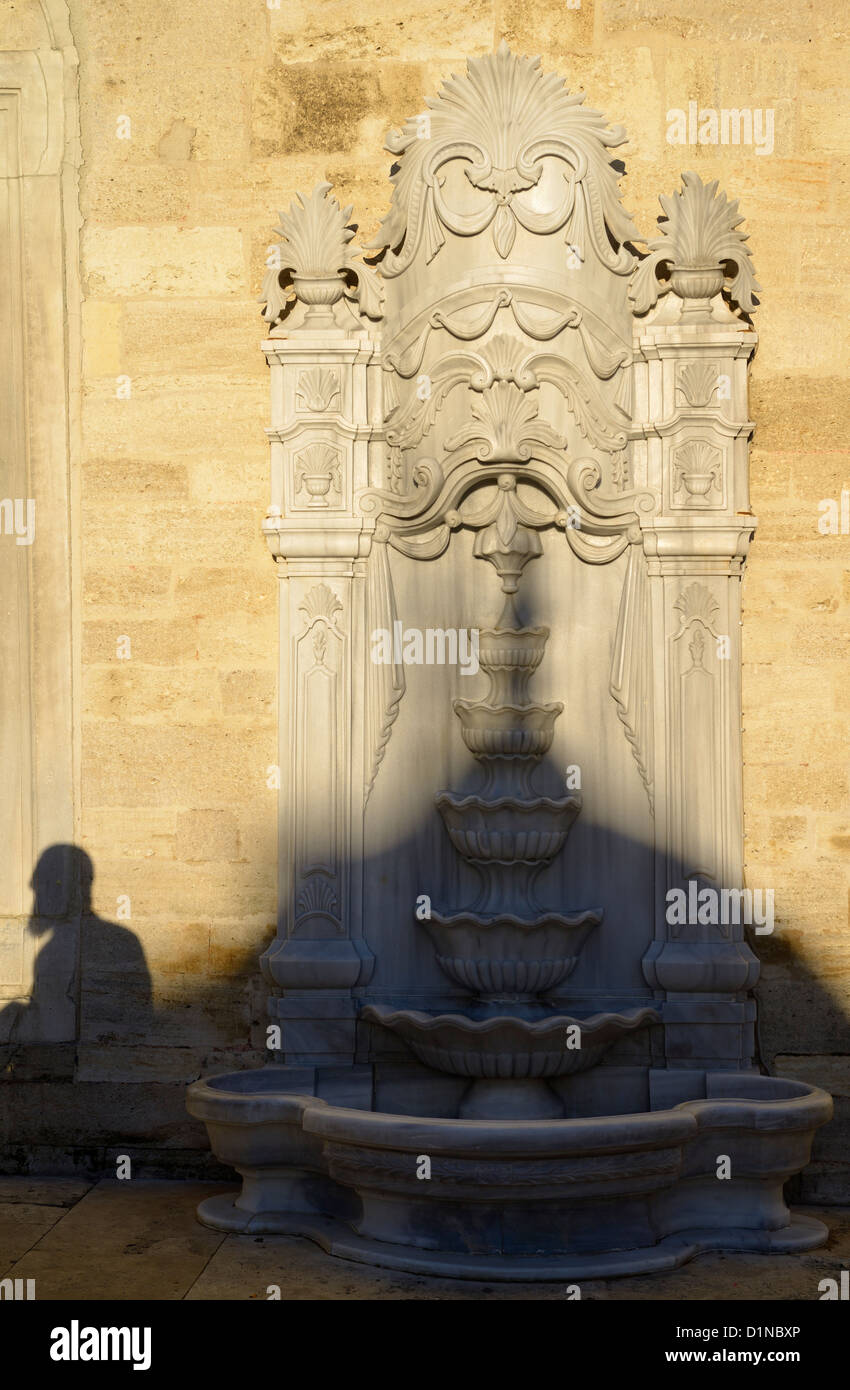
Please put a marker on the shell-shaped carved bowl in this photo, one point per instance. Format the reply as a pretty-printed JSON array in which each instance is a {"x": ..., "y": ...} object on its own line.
[
  {"x": 508, "y": 731},
  {"x": 507, "y": 955},
  {"x": 507, "y": 830},
  {"x": 512, "y": 649},
  {"x": 517, "y": 978},
  {"x": 508, "y": 1048}
]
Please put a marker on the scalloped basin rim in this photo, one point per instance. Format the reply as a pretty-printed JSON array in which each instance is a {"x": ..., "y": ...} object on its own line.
[
  {"x": 513, "y": 803},
  {"x": 494, "y": 711},
  {"x": 428, "y": 1023},
  {"x": 512, "y": 632},
  {"x": 592, "y": 915},
  {"x": 802, "y": 1107}
]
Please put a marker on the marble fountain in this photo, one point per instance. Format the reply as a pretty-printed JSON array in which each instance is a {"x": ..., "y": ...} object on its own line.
[{"x": 494, "y": 1052}]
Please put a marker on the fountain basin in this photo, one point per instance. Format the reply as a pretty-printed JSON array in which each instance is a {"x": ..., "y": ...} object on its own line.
[
  {"x": 512, "y": 648},
  {"x": 538, "y": 1200}
]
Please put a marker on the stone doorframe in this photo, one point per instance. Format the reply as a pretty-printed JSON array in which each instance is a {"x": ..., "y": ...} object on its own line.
[{"x": 39, "y": 652}]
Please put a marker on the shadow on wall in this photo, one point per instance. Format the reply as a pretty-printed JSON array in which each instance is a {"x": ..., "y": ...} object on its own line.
[
  {"x": 115, "y": 1082},
  {"x": 91, "y": 1118},
  {"x": 61, "y": 884}
]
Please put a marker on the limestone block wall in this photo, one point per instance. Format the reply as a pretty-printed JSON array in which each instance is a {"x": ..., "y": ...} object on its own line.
[{"x": 197, "y": 123}]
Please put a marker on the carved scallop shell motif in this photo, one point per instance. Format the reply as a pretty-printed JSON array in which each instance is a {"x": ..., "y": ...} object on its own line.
[
  {"x": 698, "y": 382},
  {"x": 318, "y": 898},
  {"x": 696, "y": 602},
  {"x": 320, "y": 602},
  {"x": 318, "y": 388},
  {"x": 505, "y": 356}
]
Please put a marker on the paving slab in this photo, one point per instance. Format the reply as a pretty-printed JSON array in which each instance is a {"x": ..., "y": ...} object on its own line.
[
  {"x": 43, "y": 1192},
  {"x": 124, "y": 1240}
]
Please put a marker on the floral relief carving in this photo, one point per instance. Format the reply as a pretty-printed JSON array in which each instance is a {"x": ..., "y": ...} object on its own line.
[
  {"x": 505, "y": 361},
  {"x": 697, "y": 471},
  {"x": 318, "y": 899},
  {"x": 696, "y": 604},
  {"x": 320, "y": 603},
  {"x": 503, "y": 119},
  {"x": 318, "y": 256},
  {"x": 317, "y": 472},
  {"x": 700, "y": 238}
]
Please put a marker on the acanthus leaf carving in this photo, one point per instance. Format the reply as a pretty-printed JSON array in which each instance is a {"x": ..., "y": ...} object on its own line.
[
  {"x": 502, "y": 119},
  {"x": 699, "y": 238},
  {"x": 505, "y": 359},
  {"x": 318, "y": 254},
  {"x": 504, "y": 426}
]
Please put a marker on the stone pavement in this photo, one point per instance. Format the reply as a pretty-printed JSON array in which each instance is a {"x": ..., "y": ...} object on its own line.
[{"x": 139, "y": 1240}]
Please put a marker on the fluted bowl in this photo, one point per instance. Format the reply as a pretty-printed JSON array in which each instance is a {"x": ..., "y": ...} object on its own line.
[
  {"x": 508, "y": 830},
  {"x": 508, "y": 955},
  {"x": 507, "y": 731},
  {"x": 505, "y": 1047}
]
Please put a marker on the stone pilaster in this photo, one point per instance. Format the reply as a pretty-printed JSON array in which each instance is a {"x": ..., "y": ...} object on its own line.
[
  {"x": 325, "y": 405},
  {"x": 691, "y": 447}
]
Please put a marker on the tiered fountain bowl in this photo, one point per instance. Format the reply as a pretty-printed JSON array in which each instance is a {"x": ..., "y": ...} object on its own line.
[
  {"x": 504, "y": 950},
  {"x": 509, "y": 1056}
]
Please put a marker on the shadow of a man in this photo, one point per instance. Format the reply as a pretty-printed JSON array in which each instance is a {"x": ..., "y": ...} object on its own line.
[{"x": 108, "y": 963}]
